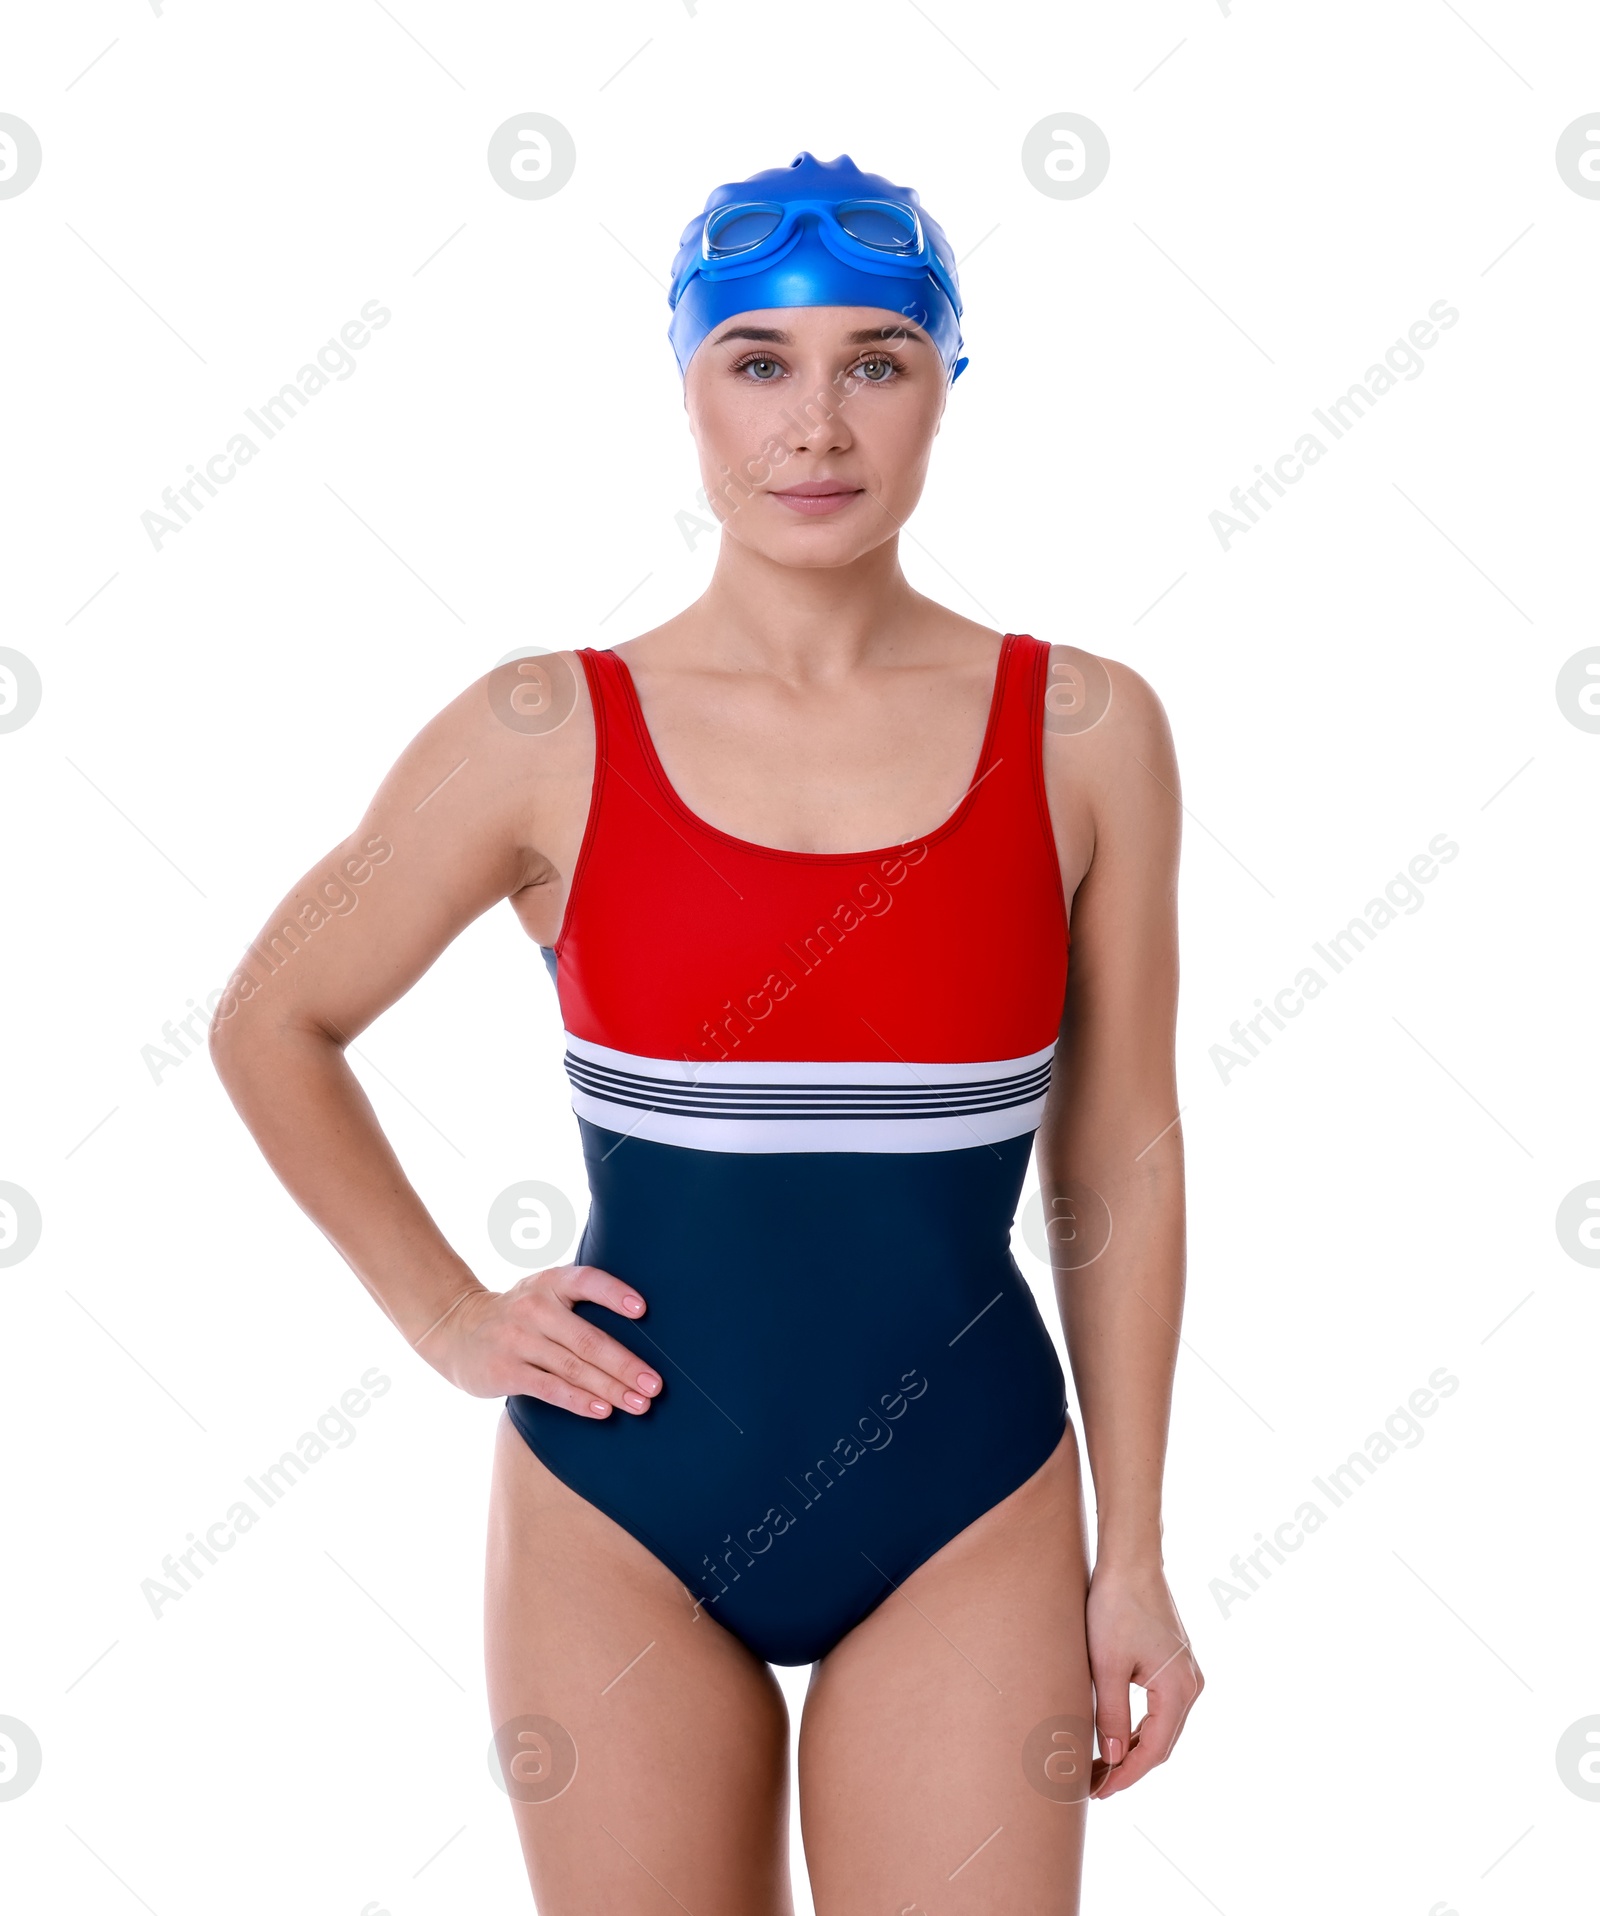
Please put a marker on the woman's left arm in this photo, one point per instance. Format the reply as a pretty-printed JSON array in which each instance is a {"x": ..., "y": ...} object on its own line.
[{"x": 1110, "y": 1155}]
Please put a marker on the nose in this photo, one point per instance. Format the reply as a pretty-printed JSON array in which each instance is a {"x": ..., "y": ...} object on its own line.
[{"x": 818, "y": 424}]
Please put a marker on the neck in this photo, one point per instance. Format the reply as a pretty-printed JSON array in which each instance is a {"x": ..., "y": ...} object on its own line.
[{"x": 801, "y": 623}]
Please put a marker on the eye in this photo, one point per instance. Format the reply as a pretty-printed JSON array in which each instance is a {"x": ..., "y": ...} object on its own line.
[
  {"x": 762, "y": 367},
  {"x": 877, "y": 369}
]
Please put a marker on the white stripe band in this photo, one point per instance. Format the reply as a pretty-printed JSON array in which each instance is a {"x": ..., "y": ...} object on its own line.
[{"x": 741, "y": 1106}]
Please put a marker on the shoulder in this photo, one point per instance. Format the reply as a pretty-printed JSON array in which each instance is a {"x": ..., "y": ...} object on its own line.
[
  {"x": 527, "y": 712},
  {"x": 1110, "y": 769},
  {"x": 511, "y": 745},
  {"x": 532, "y": 696},
  {"x": 1100, "y": 716}
]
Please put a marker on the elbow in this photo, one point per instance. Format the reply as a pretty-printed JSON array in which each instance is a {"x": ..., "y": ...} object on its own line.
[
  {"x": 251, "y": 1034},
  {"x": 222, "y": 1036},
  {"x": 234, "y": 1027}
]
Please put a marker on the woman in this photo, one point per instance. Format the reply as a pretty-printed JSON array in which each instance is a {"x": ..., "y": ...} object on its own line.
[{"x": 795, "y": 1403}]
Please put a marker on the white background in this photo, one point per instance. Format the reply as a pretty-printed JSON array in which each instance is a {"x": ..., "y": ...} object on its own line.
[{"x": 1371, "y": 1198}]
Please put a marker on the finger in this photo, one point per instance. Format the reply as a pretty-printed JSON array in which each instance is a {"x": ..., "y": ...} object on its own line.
[
  {"x": 557, "y": 1353},
  {"x": 573, "y": 1281},
  {"x": 1188, "y": 1695},
  {"x": 1113, "y": 1715},
  {"x": 1170, "y": 1697},
  {"x": 1137, "y": 1763},
  {"x": 624, "y": 1373},
  {"x": 585, "y": 1281},
  {"x": 554, "y": 1390},
  {"x": 604, "y": 1364}
]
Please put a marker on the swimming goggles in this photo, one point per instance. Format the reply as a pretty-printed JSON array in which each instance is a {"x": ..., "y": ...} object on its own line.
[{"x": 884, "y": 236}]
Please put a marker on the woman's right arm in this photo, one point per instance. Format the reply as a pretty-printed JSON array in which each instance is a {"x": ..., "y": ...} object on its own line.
[{"x": 457, "y": 825}]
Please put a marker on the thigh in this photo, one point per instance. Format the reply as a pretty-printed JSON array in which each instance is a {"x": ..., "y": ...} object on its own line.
[
  {"x": 647, "y": 1747},
  {"x": 945, "y": 1742}
]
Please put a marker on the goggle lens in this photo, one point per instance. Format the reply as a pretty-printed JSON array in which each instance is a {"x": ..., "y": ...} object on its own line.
[
  {"x": 735, "y": 229},
  {"x": 882, "y": 226}
]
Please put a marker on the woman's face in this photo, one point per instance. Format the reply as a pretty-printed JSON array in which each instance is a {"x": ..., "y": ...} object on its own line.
[{"x": 814, "y": 426}]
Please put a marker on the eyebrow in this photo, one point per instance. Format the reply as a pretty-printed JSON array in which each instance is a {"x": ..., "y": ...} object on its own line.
[{"x": 866, "y": 336}]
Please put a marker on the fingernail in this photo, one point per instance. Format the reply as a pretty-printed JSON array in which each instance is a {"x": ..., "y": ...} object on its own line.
[
  {"x": 647, "y": 1382},
  {"x": 632, "y": 1303},
  {"x": 599, "y": 1409},
  {"x": 1113, "y": 1750},
  {"x": 634, "y": 1401}
]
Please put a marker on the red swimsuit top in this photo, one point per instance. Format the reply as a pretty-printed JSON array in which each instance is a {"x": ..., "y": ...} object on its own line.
[{"x": 687, "y": 955}]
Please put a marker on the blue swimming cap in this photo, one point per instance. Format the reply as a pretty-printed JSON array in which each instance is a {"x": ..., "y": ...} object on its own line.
[{"x": 814, "y": 233}]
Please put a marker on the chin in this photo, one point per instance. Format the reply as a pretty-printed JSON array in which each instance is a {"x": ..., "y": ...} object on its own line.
[{"x": 819, "y": 548}]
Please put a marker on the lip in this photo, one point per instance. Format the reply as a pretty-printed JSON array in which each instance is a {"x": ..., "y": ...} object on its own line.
[{"x": 816, "y": 497}]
